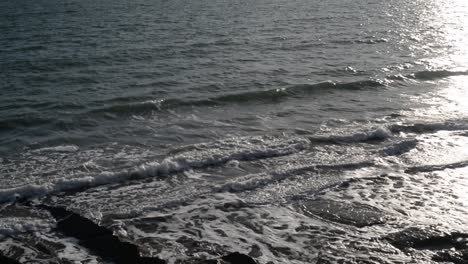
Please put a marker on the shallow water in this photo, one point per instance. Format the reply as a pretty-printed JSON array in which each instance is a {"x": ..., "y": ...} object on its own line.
[{"x": 182, "y": 131}]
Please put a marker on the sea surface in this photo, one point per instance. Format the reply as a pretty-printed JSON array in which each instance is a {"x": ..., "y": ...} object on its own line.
[{"x": 244, "y": 131}]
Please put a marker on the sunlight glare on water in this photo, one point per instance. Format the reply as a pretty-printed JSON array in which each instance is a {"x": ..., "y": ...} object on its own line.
[
  {"x": 456, "y": 34},
  {"x": 447, "y": 27},
  {"x": 456, "y": 94}
]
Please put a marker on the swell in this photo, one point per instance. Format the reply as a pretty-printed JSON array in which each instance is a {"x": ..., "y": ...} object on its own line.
[
  {"x": 262, "y": 96},
  {"x": 271, "y": 95},
  {"x": 436, "y": 74},
  {"x": 138, "y": 106}
]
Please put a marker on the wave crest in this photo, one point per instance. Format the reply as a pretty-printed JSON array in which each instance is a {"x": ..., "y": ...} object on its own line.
[{"x": 196, "y": 156}]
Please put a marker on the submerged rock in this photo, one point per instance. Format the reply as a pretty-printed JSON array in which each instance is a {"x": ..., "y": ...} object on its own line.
[
  {"x": 238, "y": 258},
  {"x": 231, "y": 258},
  {"x": 98, "y": 239},
  {"x": 7, "y": 260},
  {"x": 457, "y": 257},
  {"x": 427, "y": 238},
  {"x": 356, "y": 214},
  {"x": 446, "y": 246}
]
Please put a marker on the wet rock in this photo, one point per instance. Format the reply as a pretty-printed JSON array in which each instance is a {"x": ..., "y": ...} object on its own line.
[
  {"x": 200, "y": 261},
  {"x": 441, "y": 167},
  {"x": 356, "y": 214},
  {"x": 245, "y": 222},
  {"x": 231, "y": 258},
  {"x": 400, "y": 148},
  {"x": 427, "y": 238},
  {"x": 255, "y": 251},
  {"x": 232, "y": 206},
  {"x": 195, "y": 246},
  {"x": 30, "y": 249},
  {"x": 447, "y": 247},
  {"x": 453, "y": 256},
  {"x": 238, "y": 258},
  {"x": 98, "y": 239},
  {"x": 150, "y": 224},
  {"x": 7, "y": 260}
]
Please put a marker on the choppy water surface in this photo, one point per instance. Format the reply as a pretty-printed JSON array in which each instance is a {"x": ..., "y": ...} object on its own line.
[{"x": 266, "y": 131}]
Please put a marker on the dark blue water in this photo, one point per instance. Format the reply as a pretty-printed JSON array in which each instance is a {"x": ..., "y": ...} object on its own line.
[{"x": 181, "y": 105}]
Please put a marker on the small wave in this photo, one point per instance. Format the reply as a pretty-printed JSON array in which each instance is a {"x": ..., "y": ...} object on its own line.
[
  {"x": 125, "y": 106},
  {"x": 437, "y": 74},
  {"x": 426, "y": 75},
  {"x": 400, "y": 148},
  {"x": 266, "y": 96},
  {"x": 357, "y": 85},
  {"x": 132, "y": 108},
  {"x": 61, "y": 148},
  {"x": 378, "y": 134},
  {"x": 441, "y": 167},
  {"x": 150, "y": 106},
  {"x": 421, "y": 128},
  {"x": 198, "y": 156},
  {"x": 360, "y": 41},
  {"x": 372, "y": 41}
]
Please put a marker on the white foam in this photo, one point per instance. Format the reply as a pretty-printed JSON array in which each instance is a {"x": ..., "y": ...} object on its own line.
[
  {"x": 61, "y": 148},
  {"x": 201, "y": 155},
  {"x": 380, "y": 133},
  {"x": 247, "y": 182},
  {"x": 14, "y": 225},
  {"x": 400, "y": 148}
]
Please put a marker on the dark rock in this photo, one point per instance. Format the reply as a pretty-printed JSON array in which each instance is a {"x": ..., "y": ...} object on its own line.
[
  {"x": 455, "y": 257},
  {"x": 448, "y": 247},
  {"x": 255, "y": 251},
  {"x": 238, "y": 258},
  {"x": 232, "y": 206},
  {"x": 7, "y": 260},
  {"x": 194, "y": 246},
  {"x": 98, "y": 239},
  {"x": 427, "y": 238}
]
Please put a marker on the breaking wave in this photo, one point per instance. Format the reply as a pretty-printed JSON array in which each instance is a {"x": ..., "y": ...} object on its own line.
[
  {"x": 437, "y": 74},
  {"x": 378, "y": 134},
  {"x": 421, "y": 128},
  {"x": 197, "y": 156}
]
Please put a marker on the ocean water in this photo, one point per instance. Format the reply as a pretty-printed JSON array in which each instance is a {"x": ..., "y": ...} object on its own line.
[{"x": 266, "y": 131}]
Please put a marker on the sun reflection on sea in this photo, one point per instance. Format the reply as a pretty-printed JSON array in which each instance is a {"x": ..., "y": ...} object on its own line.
[
  {"x": 450, "y": 24},
  {"x": 442, "y": 28},
  {"x": 456, "y": 94}
]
